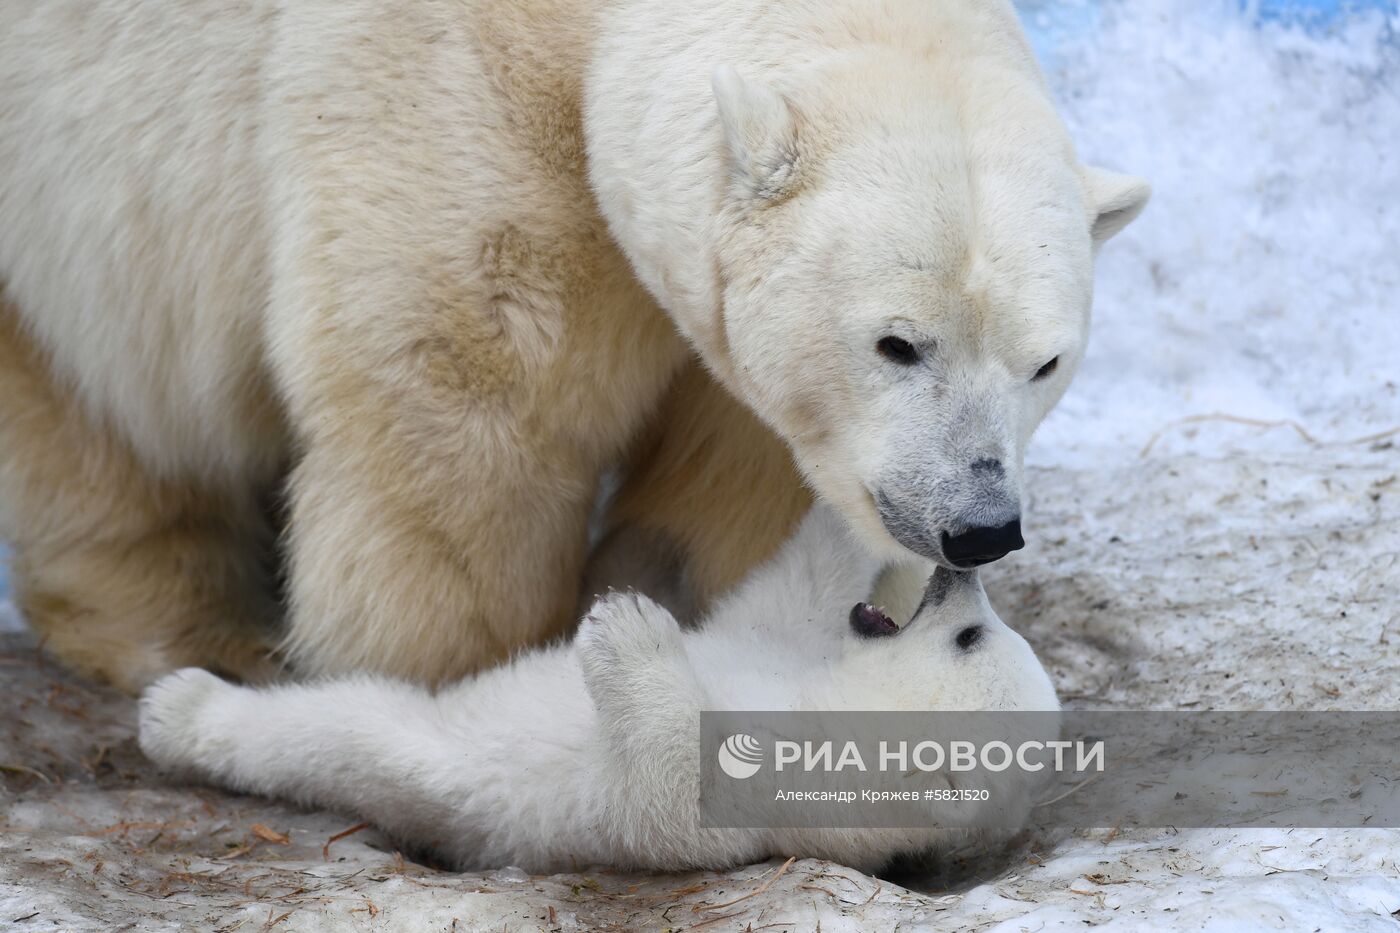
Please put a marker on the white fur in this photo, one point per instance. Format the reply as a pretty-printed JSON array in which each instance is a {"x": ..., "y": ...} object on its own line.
[{"x": 585, "y": 753}]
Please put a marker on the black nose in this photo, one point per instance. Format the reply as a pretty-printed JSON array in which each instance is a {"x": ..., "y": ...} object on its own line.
[
  {"x": 982, "y": 545},
  {"x": 988, "y": 465}
]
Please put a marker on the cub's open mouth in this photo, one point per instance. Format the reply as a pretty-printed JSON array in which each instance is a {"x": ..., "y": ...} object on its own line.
[{"x": 870, "y": 621}]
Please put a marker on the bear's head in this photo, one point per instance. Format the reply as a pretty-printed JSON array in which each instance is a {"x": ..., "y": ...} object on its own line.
[{"x": 905, "y": 260}]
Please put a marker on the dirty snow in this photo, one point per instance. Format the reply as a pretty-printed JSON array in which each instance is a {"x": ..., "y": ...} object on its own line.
[{"x": 1246, "y": 562}]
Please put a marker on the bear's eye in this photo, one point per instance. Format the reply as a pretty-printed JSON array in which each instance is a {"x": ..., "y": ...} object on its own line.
[
  {"x": 1046, "y": 370},
  {"x": 898, "y": 351}
]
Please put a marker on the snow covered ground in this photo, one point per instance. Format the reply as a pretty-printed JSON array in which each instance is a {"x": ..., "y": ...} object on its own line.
[{"x": 1248, "y": 559}]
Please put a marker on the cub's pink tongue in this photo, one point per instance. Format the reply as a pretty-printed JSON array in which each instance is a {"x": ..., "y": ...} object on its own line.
[{"x": 869, "y": 622}]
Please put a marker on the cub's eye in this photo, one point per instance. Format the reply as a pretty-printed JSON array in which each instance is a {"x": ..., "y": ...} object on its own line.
[
  {"x": 1046, "y": 370},
  {"x": 898, "y": 351}
]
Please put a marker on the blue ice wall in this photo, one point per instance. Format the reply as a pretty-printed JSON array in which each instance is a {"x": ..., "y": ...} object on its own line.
[
  {"x": 1050, "y": 23},
  {"x": 1312, "y": 13}
]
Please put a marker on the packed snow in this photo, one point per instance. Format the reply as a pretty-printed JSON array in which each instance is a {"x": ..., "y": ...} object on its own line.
[
  {"x": 1261, "y": 282},
  {"x": 1215, "y": 523}
]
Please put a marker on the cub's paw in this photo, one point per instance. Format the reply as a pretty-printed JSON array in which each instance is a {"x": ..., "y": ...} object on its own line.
[
  {"x": 170, "y": 711},
  {"x": 639, "y": 678},
  {"x": 627, "y": 629},
  {"x": 630, "y": 649}
]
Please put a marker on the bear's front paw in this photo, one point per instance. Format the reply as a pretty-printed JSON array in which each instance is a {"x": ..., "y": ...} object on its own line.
[{"x": 170, "y": 710}]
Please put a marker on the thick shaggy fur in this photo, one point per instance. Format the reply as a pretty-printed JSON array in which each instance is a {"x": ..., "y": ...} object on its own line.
[
  {"x": 584, "y": 753},
  {"x": 436, "y": 265}
]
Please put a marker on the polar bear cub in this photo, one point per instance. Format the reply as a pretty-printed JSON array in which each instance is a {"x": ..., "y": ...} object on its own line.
[{"x": 587, "y": 752}]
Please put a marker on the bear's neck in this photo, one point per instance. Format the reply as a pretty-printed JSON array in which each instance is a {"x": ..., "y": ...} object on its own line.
[{"x": 538, "y": 54}]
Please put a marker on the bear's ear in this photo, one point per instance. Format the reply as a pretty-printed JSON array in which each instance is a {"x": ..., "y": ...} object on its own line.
[
  {"x": 1114, "y": 200},
  {"x": 760, "y": 134}
]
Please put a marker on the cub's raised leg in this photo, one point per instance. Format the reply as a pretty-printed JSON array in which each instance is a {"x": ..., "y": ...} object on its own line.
[{"x": 649, "y": 695}]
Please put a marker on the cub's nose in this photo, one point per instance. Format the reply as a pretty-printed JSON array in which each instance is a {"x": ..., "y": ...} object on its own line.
[{"x": 982, "y": 545}]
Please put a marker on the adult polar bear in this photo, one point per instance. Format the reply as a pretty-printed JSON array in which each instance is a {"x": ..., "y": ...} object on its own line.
[{"x": 413, "y": 251}]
